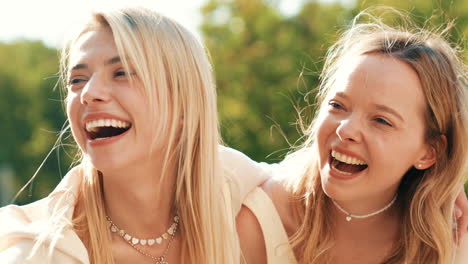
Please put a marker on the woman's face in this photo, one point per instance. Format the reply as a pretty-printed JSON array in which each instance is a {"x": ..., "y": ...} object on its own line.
[
  {"x": 108, "y": 114},
  {"x": 371, "y": 130}
]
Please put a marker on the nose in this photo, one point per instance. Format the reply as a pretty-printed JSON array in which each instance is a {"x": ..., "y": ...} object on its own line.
[
  {"x": 349, "y": 130},
  {"x": 95, "y": 91}
]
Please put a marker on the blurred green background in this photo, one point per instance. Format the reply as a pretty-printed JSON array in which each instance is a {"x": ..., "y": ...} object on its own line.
[{"x": 258, "y": 55}]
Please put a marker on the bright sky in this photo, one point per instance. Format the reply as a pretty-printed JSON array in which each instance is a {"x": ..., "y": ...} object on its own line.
[{"x": 50, "y": 20}]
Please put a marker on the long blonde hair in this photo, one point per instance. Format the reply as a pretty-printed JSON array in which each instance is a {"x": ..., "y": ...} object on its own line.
[
  {"x": 426, "y": 197},
  {"x": 177, "y": 78}
]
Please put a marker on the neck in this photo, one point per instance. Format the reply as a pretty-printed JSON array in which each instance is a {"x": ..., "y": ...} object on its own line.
[
  {"x": 383, "y": 226},
  {"x": 139, "y": 198}
]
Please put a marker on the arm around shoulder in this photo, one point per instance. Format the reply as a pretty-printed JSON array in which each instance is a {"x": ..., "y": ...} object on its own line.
[
  {"x": 245, "y": 169},
  {"x": 251, "y": 238},
  {"x": 242, "y": 173}
]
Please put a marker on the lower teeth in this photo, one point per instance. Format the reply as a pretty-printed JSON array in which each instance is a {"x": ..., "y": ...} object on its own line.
[
  {"x": 101, "y": 138},
  {"x": 340, "y": 171}
]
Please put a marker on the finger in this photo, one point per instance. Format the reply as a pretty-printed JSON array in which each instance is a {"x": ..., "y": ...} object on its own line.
[
  {"x": 456, "y": 233},
  {"x": 458, "y": 213},
  {"x": 461, "y": 204},
  {"x": 463, "y": 221}
]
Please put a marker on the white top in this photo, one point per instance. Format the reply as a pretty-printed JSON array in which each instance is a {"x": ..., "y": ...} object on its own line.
[
  {"x": 21, "y": 225},
  {"x": 277, "y": 245}
]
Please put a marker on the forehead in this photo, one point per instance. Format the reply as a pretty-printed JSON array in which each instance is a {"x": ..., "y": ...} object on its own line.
[
  {"x": 97, "y": 44},
  {"x": 381, "y": 79}
]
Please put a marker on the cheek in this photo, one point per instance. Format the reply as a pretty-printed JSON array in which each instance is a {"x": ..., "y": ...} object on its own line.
[
  {"x": 325, "y": 131},
  {"x": 73, "y": 114},
  {"x": 397, "y": 155}
]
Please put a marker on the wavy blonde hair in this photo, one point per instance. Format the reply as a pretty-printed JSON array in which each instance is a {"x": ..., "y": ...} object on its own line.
[
  {"x": 177, "y": 78},
  {"x": 426, "y": 198}
]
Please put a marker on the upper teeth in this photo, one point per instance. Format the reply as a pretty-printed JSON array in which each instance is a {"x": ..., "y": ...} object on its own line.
[
  {"x": 92, "y": 126},
  {"x": 346, "y": 159}
]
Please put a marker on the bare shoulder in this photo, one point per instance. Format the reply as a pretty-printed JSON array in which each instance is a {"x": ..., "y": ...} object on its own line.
[
  {"x": 282, "y": 199},
  {"x": 250, "y": 237}
]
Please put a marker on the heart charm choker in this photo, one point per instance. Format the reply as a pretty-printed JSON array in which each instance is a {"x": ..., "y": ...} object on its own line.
[
  {"x": 146, "y": 241},
  {"x": 135, "y": 242},
  {"x": 350, "y": 216}
]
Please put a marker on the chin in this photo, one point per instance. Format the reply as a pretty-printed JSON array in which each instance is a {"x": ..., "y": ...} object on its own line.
[
  {"x": 329, "y": 190},
  {"x": 106, "y": 164},
  {"x": 333, "y": 189},
  {"x": 327, "y": 186}
]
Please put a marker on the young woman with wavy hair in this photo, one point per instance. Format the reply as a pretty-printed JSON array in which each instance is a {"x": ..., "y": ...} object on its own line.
[
  {"x": 384, "y": 159},
  {"x": 141, "y": 105}
]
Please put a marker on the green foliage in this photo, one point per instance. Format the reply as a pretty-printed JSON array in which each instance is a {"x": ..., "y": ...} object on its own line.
[
  {"x": 31, "y": 114},
  {"x": 432, "y": 14},
  {"x": 258, "y": 53}
]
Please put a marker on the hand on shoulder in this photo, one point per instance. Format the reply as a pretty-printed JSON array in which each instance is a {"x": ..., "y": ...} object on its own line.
[{"x": 242, "y": 174}]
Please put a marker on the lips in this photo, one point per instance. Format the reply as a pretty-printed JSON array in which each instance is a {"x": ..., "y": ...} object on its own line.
[
  {"x": 104, "y": 126},
  {"x": 346, "y": 168},
  {"x": 346, "y": 165}
]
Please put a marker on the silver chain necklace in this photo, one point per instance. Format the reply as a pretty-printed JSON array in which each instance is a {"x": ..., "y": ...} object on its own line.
[
  {"x": 349, "y": 216},
  {"x": 132, "y": 242}
]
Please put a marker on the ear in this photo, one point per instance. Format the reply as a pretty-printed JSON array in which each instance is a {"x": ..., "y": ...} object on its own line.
[
  {"x": 427, "y": 160},
  {"x": 429, "y": 156}
]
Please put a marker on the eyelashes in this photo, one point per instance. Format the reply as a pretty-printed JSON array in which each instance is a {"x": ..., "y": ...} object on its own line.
[
  {"x": 78, "y": 80},
  {"x": 73, "y": 81},
  {"x": 382, "y": 121},
  {"x": 122, "y": 73},
  {"x": 335, "y": 106}
]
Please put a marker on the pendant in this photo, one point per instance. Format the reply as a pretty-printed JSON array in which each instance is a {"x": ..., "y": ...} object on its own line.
[
  {"x": 161, "y": 261},
  {"x": 348, "y": 218}
]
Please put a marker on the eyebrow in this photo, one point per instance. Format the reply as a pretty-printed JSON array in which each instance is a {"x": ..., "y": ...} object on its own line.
[
  {"x": 389, "y": 110},
  {"x": 379, "y": 107},
  {"x": 110, "y": 61},
  {"x": 341, "y": 94}
]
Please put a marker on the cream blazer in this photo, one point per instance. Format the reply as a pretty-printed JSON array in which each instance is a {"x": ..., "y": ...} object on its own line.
[{"x": 20, "y": 226}]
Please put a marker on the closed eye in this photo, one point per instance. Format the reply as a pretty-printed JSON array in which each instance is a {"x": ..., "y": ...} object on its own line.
[
  {"x": 335, "y": 105},
  {"x": 76, "y": 80},
  {"x": 120, "y": 74},
  {"x": 383, "y": 121}
]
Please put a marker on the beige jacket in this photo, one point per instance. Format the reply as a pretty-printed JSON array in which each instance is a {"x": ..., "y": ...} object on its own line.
[{"x": 20, "y": 226}]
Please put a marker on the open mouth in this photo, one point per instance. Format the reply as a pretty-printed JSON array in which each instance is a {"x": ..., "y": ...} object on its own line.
[
  {"x": 345, "y": 164},
  {"x": 106, "y": 128}
]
